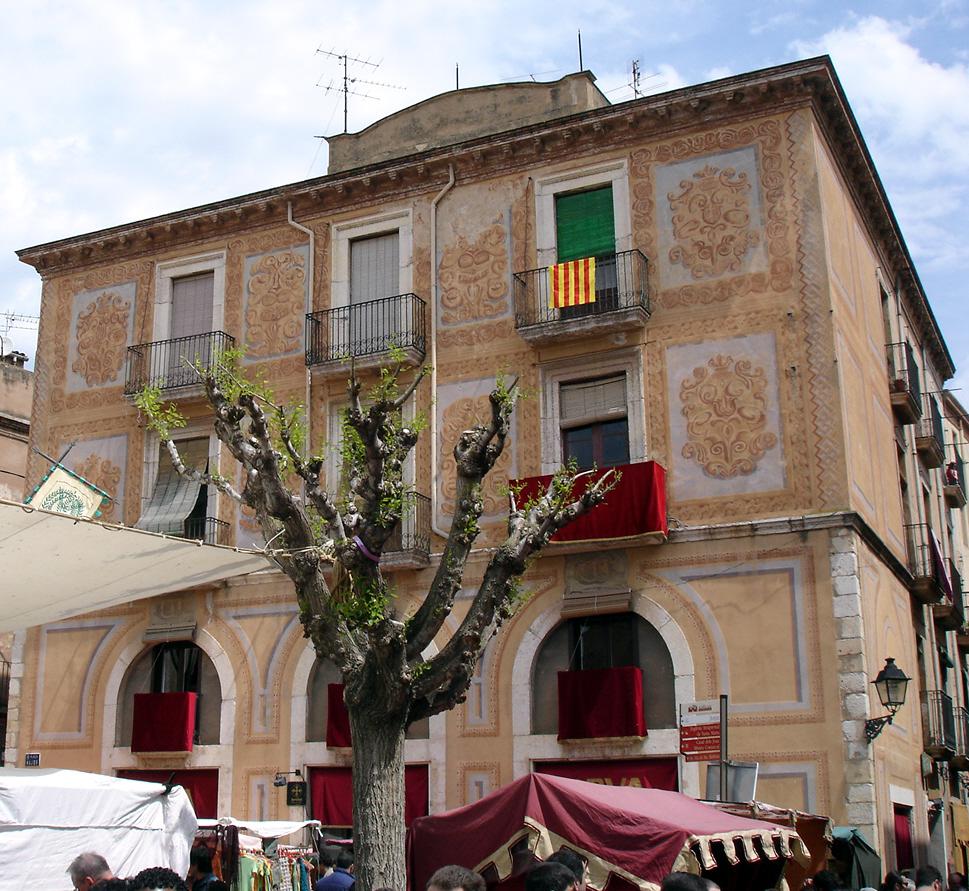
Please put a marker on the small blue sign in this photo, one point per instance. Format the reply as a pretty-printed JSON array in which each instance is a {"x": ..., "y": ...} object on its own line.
[{"x": 32, "y": 759}]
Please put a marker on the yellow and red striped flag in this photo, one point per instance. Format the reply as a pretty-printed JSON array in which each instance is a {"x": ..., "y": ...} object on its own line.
[{"x": 572, "y": 283}]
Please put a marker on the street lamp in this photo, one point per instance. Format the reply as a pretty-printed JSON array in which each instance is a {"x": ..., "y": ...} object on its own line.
[{"x": 891, "y": 684}]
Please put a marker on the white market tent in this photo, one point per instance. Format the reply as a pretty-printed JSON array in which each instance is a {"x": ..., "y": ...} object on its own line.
[
  {"x": 48, "y": 817},
  {"x": 57, "y": 566}
]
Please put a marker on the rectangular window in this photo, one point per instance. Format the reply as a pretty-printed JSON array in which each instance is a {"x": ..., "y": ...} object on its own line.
[
  {"x": 192, "y": 302},
  {"x": 594, "y": 422},
  {"x": 585, "y": 224},
  {"x": 374, "y": 268},
  {"x": 178, "y": 505},
  {"x": 603, "y": 642}
]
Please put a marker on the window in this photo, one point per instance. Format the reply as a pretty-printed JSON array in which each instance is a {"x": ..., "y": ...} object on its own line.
[
  {"x": 593, "y": 410},
  {"x": 595, "y": 429},
  {"x": 374, "y": 268},
  {"x": 178, "y": 505},
  {"x": 609, "y": 641},
  {"x": 189, "y": 296},
  {"x": 173, "y": 667},
  {"x": 192, "y": 304},
  {"x": 584, "y": 224}
]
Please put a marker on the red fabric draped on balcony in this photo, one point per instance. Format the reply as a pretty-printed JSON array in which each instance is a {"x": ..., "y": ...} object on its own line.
[
  {"x": 337, "y": 719},
  {"x": 635, "y": 507},
  {"x": 601, "y": 702},
  {"x": 163, "y": 722},
  {"x": 331, "y": 794}
]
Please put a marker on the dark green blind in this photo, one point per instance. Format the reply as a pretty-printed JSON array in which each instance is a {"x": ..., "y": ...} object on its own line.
[{"x": 584, "y": 225}]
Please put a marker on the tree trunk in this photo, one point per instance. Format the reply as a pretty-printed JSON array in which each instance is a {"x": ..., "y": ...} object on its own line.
[{"x": 378, "y": 799}]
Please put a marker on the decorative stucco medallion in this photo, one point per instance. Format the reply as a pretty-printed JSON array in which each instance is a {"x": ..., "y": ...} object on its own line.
[
  {"x": 106, "y": 475},
  {"x": 725, "y": 406},
  {"x": 474, "y": 277},
  {"x": 712, "y": 221},
  {"x": 276, "y": 293},
  {"x": 101, "y": 338}
]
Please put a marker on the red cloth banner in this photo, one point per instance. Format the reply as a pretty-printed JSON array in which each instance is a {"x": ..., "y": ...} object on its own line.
[
  {"x": 904, "y": 858},
  {"x": 337, "y": 719},
  {"x": 643, "y": 773},
  {"x": 163, "y": 722},
  {"x": 601, "y": 702},
  {"x": 202, "y": 786},
  {"x": 636, "y": 505},
  {"x": 331, "y": 794}
]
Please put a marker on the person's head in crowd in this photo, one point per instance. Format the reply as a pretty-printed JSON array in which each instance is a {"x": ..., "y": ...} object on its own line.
[
  {"x": 928, "y": 878},
  {"x": 87, "y": 869},
  {"x": 328, "y": 857},
  {"x": 157, "y": 878},
  {"x": 111, "y": 885},
  {"x": 683, "y": 881},
  {"x": 200, "y": 863},
  {"x": 344, "y": 860},
  {"x": 957, "y": 881},
  {"x": 568, "y": 857},
  {"x": 455, "y": 878},
  {"x": 550, "y": 877},
  {"x": 826, "y": 881},
  {"x": 893, "y": 882}
]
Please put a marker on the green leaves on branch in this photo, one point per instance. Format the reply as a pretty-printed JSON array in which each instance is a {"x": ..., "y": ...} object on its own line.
[{"x": 162, "y": 417}]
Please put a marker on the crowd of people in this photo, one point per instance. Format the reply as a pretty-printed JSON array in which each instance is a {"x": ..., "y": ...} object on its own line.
[{"x": 562, "y": 871}]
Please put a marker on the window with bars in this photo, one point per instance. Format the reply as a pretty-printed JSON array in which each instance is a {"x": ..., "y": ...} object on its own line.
[{"x": 594, "y": 422}]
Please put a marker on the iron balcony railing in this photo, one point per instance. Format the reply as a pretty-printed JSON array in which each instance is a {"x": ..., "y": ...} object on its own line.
[
  {"x": 939, "y": 723},
  {"x": 4, "y": 705},
  {"x": 925, "y": 562},
  {"x": 930, "y": 427},
  {"x": 903, "y": 371},
  {"x": 366, "y": 329},
  {"x": 208, "y": 529},
  {"x": 955, "y": 480},
  {"x": 955, "y": 579},
  {"x": 622, "y": 282},
  {"x": 413, "y": 533},
  {"x": 174, "y": 363}
]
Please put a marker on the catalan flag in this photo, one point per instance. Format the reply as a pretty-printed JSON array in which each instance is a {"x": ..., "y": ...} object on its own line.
[{"x": 572, "y": 283}]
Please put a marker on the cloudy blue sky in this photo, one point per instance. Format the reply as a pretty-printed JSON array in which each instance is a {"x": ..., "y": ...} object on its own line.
[{"x": 117, "y": 111}]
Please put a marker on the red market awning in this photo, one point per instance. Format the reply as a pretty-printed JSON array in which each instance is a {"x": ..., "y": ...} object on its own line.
[
  {"x": 632, "y": 834},
  {"x": 635, "y": 507}
]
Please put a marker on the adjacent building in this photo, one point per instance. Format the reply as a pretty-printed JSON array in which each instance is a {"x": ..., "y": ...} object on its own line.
[{"x": 760, "y": 358}]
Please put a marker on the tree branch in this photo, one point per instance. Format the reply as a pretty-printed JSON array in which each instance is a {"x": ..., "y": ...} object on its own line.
[{"x": 205, "y": 478}]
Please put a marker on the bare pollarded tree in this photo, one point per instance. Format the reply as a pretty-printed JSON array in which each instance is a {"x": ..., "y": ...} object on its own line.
[{"x": 330, "y": 544}]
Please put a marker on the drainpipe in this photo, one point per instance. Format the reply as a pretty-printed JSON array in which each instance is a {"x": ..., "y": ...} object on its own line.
[
  {"x": 434, "y": 286},
  {"x": 309, "y": 308}
]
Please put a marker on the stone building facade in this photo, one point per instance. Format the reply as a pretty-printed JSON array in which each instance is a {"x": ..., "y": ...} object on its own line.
[{"x": 760, "y": 332}]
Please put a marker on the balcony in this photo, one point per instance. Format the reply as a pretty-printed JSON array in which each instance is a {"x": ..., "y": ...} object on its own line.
[
  {"x": 903, "y": 383},
  {"x": 634, "y": 509},
  {"x": 621, "y": 301},
  {"x": 950, "y": 614},
  {"x": 960, "y": 761},
  {"x": 929, "y": 438},
  {"x": 409, "y": 546},
  {"x": 930, "y": 580},
  {"x": 938, "y": 724},
  {"x": 171, "y": 364},
  {"x": 365, "y": 333},
  {"x": 207, "y": 529},
  {"x": 954, "y": 482}
]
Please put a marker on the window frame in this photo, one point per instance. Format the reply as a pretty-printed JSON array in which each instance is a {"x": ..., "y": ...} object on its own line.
[
  {"x": 576, "y": 369},
  {"x": 614, "y": 173},
  {"x": 165, "y": 274},
  {"x": 378, "y": 224}
]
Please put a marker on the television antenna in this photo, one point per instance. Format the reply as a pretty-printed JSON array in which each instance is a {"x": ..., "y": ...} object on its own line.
[
  {"x": 22, "y": 321},
  {"x": 349, "y": 83}
]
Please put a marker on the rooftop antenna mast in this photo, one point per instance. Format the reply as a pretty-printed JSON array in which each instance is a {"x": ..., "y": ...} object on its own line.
[
  {"x": 637, "y": 91},
  {"x": 349, "y": 82},
  {"x": 579, "y": 32}
]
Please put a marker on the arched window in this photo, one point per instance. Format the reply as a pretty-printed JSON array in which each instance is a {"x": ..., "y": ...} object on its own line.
[
  {"x": 324, "y": 673},
  {"x": 173, "y": 667},
  {"x": 610, "y": 641}
]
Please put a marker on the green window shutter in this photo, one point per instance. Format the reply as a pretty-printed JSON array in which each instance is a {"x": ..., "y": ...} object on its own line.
[{"x": 584, "y": 225}]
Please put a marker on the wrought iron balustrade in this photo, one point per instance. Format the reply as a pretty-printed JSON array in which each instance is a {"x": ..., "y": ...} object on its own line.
[
  {"x": 926, "y": 563},
  {"x": 622, "y": 283},
  {"x": 175, "y": 363},
  {"x": 903, "y": 382},
  {"x": 954, "y": 484},
  {"x": 367, "y": 329},
  {"x": 929, "y": 435},
  {"x": 211, "y": 530},
  {"x": 413, "y": 533},
  {"x": 939, "y": 724}
]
